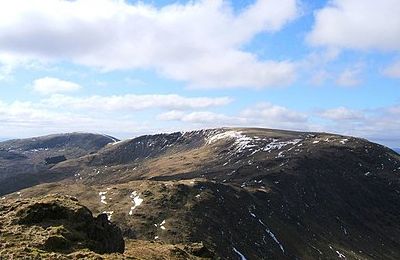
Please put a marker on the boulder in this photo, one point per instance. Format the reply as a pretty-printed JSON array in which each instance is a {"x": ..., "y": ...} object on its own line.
[{"x": 71, "y": 226}]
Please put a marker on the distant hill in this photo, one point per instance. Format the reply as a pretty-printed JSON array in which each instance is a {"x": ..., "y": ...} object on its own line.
[
  {"x": 23, "y": 161},
  {"x": 243, "y": 193}
]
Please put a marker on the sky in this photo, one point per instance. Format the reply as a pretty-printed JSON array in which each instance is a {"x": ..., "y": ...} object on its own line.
[{"x": 127, "y": 68}]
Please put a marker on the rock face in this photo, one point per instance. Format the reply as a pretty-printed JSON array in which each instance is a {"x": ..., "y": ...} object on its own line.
[
  {"x": 55, "y": 159},
  {"x": 58, "y": 224},
  {"x": 107, "y": 236}
]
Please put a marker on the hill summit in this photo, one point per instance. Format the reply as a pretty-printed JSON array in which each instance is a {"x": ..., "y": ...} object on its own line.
[{"x": 243, "y": 193}]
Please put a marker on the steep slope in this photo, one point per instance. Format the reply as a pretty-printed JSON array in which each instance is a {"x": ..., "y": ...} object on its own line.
[
  {"x": 26, "y": 162},
  {"x": 256, "y": 193}
]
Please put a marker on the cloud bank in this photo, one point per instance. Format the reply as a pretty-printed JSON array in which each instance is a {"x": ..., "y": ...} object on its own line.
[
  {"x": 198, "y": 42},
  {"x": 358, "y": 24},
  {"x": 49, "y": 85}
]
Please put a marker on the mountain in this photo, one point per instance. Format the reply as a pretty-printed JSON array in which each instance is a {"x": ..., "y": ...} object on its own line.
[
  {"x": 243, "y": 193},
  {"x": 397, "y": 150},
  {"x": 23, "y": 161}
]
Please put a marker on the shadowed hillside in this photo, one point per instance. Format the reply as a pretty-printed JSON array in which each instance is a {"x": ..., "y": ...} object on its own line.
[{"x": 26, "y": 162}]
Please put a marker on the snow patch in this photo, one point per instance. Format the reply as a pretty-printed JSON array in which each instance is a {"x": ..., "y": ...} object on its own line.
[
  {"x": 136, "y": 201},
  {"x": 276, "y": 145},
  {"x": 117, "y": 142},
  {"x": 340, "y": 255},
  {"x": 242, "y": 257},
  {"x": 161, "y": 225},
  {"x": 275, "y": 239},
  {"x": 103, "y": 198},
  {"x": 224, "y": 135},
  {"x": 109, "y": 214},
  {"x": 242, "y": 141},
  {"x": 272, "y": 235}
]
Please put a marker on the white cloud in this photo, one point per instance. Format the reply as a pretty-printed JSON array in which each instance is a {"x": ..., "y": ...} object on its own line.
[
  {"x": 206, "y": 117},
  {"x": 26, "y": 119},
  {"x": 134, "y": 102},
  {"x": 20, "y": 112},
  {"x": 342, "y": 114},
  {"x": 173, "y": 115},
  {"x": 22, "y": 119},
  {"x": 358, "y": 24},
  {"x": 350, "y": 76},
  {"x": 48, "y": 85},
  {"x": 367, "y": 123},
  {"x": 104, "y": 114},
  {"x": 342, "y": 120},
  {"x": 393, "y": 70},
  {"x": 273, "y": 114},
  {"x": 198, "y": 117},
  {"x": 8, "y": 63},
  {"x": 198, "y": 42},
  {"x": 134, "y": 82},
  {"x": 319, "y": 77},
  {"x": 263, "y": 115},
  {"x": 316, "y": 67}
]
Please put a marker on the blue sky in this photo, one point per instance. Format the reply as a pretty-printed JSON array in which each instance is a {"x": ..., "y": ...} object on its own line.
[{"x": 127, "y": 68}]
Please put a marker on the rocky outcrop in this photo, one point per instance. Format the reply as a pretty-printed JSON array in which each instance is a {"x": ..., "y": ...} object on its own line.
[
  {"x": 55, "y": 159},
  {"x": 58, "y": 227},
  {"x": 107, "y": 236},
  {"x": 60, "y": 224}
]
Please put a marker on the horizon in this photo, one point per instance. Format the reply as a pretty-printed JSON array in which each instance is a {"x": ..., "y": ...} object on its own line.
[
  {"x": 2, "y": 139},
  {"x": 128, "y": 68}
]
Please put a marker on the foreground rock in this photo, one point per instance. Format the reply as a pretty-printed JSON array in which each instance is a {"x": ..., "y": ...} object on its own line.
[
  {"x": 58, "y": 227},
  {"x": 56, "y": 224}
]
